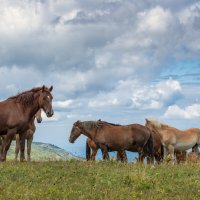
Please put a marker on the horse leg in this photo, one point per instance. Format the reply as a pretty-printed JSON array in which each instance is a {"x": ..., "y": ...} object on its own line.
[
  {"x": 141, "y": 156},
  {"x": 1, "y": 146},
  {"x": 88, "y": 150},
  {"x": 29, "y": 142},
  {"x": 104, "y": 150},
  {"x": 9, "y": 137},
  {"x": 171, "y": 152},
  {"x": 94, "y": 153},
  {"x": 17, "y": 146},
  {"x": 22, "y": 146},
  {"x": 121, "y": 156},
  {"x": 165, "y": 153},
  {"x": 195, "y": 148}
]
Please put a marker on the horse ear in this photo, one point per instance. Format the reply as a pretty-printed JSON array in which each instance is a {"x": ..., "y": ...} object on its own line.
[
  {"x": 43, "y": 88},
  {"x": 146, "y": 120},
  {"x": 51, "y": 88}
]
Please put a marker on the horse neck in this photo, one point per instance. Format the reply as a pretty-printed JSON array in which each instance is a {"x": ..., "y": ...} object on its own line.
[
  {"x": 32, "y": 109},
  {"x": 90, "y": 133}
]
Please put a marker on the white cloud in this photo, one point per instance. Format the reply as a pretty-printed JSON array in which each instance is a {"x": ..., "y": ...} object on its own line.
[
  {"x": 56, "y": 117},
  {"x": 63, "y": 104},
  {"x": 155, "y": 20},
  {"x": 133, "y": 94},
  {"x": 189, "y": 112}
]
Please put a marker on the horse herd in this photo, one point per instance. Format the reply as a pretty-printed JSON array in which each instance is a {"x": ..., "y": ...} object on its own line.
[{"x": 154, "y": 140}]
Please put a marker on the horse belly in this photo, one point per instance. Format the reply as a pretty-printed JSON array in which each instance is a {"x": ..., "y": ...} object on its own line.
[
  {"x": 123, "y": 143},
  {"x": 184, "y": 146}
]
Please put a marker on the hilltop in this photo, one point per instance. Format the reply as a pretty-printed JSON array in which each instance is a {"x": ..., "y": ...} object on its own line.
[{"x": 44, "y": 152}]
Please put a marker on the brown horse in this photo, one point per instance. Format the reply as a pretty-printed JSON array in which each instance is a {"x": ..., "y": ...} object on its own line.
[
  {"x": 28, "y": 137},
  {"x": 90, "y": 144},
  {"x": 17, "y": 112},
  {"x": 173, "y": 138},
  {"x": 115, "y": 137}
]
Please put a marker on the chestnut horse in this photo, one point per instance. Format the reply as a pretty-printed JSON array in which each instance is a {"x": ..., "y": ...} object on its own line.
[
  {"x": 28, "y": 137},
  {"x": 115, "y": 137},
  {"x": 173, "y": 138},
  {"x": 17, "y": 112},
  {"x": 90, "y": 144}
]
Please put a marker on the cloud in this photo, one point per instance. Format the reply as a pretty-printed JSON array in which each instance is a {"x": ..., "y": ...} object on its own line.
[
  {"x": 97, "y": 53},
  {"x": 189, "y": 112},
  {"x": 131, "y": 94},
  {"x": 155, "y": 20},
  {"x": 56, "y": 117}
]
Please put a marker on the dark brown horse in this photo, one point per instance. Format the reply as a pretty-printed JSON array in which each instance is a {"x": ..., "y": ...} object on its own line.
[
  {"x": 90, "y": 144},
  {"x": 17, "y": 112},
  {"x": 115, "y": 137}
]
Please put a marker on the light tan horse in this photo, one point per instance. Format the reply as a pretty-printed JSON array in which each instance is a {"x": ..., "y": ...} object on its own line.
[
  {"x": 28, "y": 136},
  {"x": 173, "y": 139}
]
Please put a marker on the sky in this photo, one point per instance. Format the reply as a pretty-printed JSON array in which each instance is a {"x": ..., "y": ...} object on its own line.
[{"x": 117, "y": 60}]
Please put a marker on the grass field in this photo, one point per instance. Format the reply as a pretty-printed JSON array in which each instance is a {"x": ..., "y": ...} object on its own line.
[{"x": 98, "y": 180}]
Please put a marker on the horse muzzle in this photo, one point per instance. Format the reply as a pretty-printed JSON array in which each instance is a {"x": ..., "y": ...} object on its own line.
[
  {"x": 50, "y": 113},
  {"x": 71, "y": 140},
  {"x": 39, "y": 121}
]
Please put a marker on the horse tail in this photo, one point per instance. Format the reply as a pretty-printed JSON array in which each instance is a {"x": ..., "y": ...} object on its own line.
[
  {"x": 88, "y": 151},
  {"x": 150, "y": 148}
]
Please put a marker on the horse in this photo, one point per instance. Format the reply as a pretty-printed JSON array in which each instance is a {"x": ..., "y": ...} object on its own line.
[
  {"x": 90, "y": 144},
  {"x": 173, "y": 139},
  {"x": 115, "y": 137},
  {"x": 28, "y": 137},
  {"x": 16, "y": 114}
]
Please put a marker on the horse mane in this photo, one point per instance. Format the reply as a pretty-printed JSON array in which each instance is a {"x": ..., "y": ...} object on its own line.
[
  {"x": 89, "y": 125},
  {"x": 158, "y": 124},
  {"x": 107, "y": 123},
  {"x": 26, "y": 98}
]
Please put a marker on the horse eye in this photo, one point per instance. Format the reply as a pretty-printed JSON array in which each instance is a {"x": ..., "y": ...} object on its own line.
[{"x": 45, "y": 98}]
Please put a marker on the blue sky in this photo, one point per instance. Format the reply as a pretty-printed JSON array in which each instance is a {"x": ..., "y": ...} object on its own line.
[{"x": 121, "y": 61}]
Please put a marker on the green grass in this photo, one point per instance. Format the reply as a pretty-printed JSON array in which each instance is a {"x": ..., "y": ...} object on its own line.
[{"x": 98, "y": 180}]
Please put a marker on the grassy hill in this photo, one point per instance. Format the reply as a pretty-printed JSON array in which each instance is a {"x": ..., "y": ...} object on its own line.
[
  {"x": 43, "y": 152},
  {"x": 83, "y": 180}
]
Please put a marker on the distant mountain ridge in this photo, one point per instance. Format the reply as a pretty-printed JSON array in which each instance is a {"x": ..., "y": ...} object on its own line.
[{"x": 44, "y": 152}]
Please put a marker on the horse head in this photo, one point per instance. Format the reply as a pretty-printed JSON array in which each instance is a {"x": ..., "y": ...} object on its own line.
[
  {"x": 75, "y": 132},
  {"x": 45, "y": 100}
]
